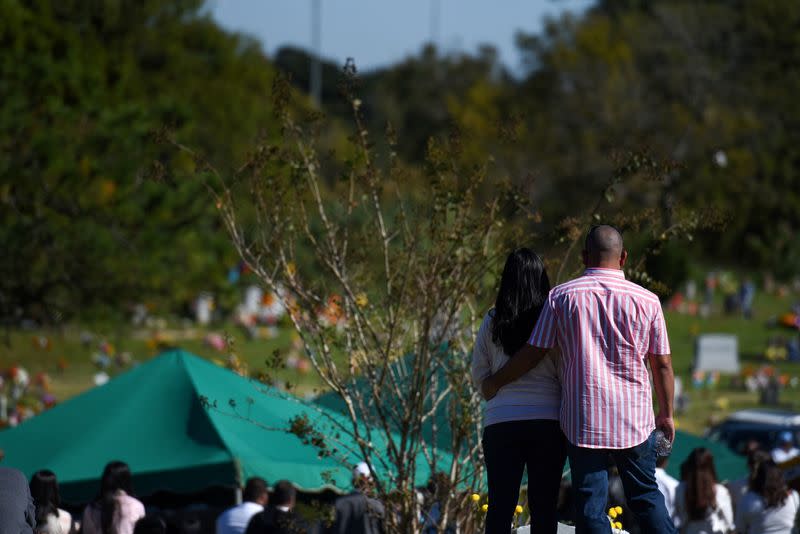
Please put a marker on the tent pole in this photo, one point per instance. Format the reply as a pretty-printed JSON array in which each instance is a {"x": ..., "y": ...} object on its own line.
[{"x": 237, "y": 476}]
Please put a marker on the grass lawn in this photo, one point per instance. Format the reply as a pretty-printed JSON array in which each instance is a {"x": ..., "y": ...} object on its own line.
[
  {"x": 19, "y": 348},
  {"x": 705, "y": 405}
]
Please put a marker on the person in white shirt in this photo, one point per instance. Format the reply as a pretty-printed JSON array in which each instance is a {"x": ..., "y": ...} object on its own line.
[
  {"x": 49, "y": 517},
  {"x": 786, "y": 449},
  {"x": 235, "y": 520},
  {"x": 521, "y": 423},
  {"x": 702, "y": 505},
  {"x": 667, "y": 485},
  {"x": 769, "y": 507}
]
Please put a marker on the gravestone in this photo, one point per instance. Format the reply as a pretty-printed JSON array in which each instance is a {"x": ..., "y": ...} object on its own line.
[{"x": 717, "y": 352}]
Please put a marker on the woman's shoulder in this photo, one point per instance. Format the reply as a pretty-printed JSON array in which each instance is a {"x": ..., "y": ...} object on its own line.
[
  {"x": 722, "y": 492},
  {"x": 750, "y": 500},
  {"x": 486, "y": 324},
  {"x": 129, "y": 503}
]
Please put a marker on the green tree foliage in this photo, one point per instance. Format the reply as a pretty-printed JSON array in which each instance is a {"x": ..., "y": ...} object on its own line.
[
  {"x": 86, "y": 223},
  {"x": 89, "y": 223},
  {"x": 710, "y": 85}
]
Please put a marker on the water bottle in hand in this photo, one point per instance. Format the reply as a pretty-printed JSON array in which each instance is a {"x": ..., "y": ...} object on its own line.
[{"x": 663, "y": 445}]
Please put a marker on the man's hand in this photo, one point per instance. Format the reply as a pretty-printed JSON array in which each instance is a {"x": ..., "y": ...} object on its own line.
[
  {"x": 488, "y": 388},
  {"x": 667, "y": 425}
]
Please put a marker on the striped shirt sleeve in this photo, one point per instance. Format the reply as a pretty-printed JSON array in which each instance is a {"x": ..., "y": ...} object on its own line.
[
  {"x": 544, "y": 333},
  {"x": 659, "y": 341}
]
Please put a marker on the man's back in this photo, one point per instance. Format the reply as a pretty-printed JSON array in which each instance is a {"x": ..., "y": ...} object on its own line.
[
  {"x": 605, "y": 327},
  {"x": 235, "y": 520},
  {"x": 17, "y": 512},
  {"x": 358, "y": 514},
  {"x": 273, "y": 520}
]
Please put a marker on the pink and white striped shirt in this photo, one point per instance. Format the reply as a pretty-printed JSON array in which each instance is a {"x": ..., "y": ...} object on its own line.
[{"x": 605, "y": 327}]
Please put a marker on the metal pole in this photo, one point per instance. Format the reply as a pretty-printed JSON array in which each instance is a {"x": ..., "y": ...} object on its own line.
[
  {"x": 435, "y": 21},
  {"x": 316, "y": 47}
]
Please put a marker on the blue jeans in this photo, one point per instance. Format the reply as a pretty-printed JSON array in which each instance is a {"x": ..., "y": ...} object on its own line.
[{"x": 637, "y": 469}]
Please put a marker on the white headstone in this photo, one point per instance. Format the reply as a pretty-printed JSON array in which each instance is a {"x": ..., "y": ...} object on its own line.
[
  {"x": 203, "y": 307},
  {"x": 717, "y": 352},
  {"x": 252, "y": 299}
]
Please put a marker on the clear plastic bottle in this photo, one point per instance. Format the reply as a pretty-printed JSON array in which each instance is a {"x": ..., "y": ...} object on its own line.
[{"x": 663, "y": 445}]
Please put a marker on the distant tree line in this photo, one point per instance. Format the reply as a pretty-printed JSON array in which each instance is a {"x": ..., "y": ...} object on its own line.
[{"x": 95, "y": 215}]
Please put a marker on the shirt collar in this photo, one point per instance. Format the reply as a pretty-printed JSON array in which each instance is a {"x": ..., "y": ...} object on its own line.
[{"x": 602, "y": 271}]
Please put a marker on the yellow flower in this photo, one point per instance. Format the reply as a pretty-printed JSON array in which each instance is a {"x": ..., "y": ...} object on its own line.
[
  {"x": 618, "y": 525},
  {"x": 361, "y": 300},
  {"x": 484, "y": 508},
  {"x": 475, "y": 497},
  {"x": 518, "y": 509},
  {"x": 612, "y": 513},
  {"x": 291, "y": 269},
  {"x": 618, "y": 509}
]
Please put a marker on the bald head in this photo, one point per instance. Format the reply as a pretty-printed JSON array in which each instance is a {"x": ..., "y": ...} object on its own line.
[{"x": 604, "y": 248}]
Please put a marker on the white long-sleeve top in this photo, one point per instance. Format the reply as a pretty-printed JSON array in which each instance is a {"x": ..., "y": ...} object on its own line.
[
  {"x": 753, "y": 517},
  {"x": 717, "y": 521},
  {"x": 535, "y": 395}
]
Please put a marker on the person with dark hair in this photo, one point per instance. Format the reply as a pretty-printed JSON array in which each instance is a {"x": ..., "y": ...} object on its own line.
[
  {"x": 116, "y": 510},
  {"x": 50, "y": 519},
  {"x": 770, "y": 507},
  {"x": 17, "y": 511},
  {"x": 254, "y": 498},
  {"x": 739, "y": 488},
  {"x": 702, "y": 505},
  {"x": 520, "y": 424},
  {"x": 608, "y": 330},
  {"x": 357, "y": 512},
  {"x": 279, "y": 517}
]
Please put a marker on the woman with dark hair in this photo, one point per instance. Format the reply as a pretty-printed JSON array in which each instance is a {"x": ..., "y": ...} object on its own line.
[
  {"x": 521, "y": 425},
  {"x": 702, "y": 505},
  {"x": 115, "y": 511},
  {"x": 50, "y": 519},
  {"x": 770, "y": 506}
]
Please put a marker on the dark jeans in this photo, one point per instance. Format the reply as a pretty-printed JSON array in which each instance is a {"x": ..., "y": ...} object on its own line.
[
  {"x": 637, "y": 469},
  {"x": 508, "y": 448}
]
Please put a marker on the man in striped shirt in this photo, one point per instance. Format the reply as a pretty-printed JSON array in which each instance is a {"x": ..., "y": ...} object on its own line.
[{"x": 607, "y": 329}]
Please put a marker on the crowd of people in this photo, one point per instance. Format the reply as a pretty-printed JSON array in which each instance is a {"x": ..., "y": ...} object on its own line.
[
  {"x": 34, "y": 507},
  {"x": 760, "y": 503}
]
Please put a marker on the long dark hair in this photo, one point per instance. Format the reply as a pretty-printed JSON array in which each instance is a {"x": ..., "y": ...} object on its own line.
[
  {"x": 768, "y": 482},
  {"x": 44, "y": 490},
  {"x": 116, "y": 477},
  {"x": 700, "y": 477},
  {"x": 523, "y": 289}
]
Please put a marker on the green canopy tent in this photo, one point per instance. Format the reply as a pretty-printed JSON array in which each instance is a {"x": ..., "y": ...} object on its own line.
[
  {"x": 729, "y": 465},
  {"x": 437, "y": 431},
  {"x": 182, "y": 424}
]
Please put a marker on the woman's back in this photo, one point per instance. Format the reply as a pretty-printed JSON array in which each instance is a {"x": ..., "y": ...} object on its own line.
[
  {"x": 127, "y": 510},
  {"x": 754, "y": 517},
  {"x": 717, "y": 520},
  {"x": 536, "y": 395}
]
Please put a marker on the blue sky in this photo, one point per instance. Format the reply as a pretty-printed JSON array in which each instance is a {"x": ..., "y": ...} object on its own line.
[{"x": 379, "y": 32}]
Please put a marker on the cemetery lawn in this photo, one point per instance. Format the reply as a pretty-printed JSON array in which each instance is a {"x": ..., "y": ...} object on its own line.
[{"x": 17, "y": 347}]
